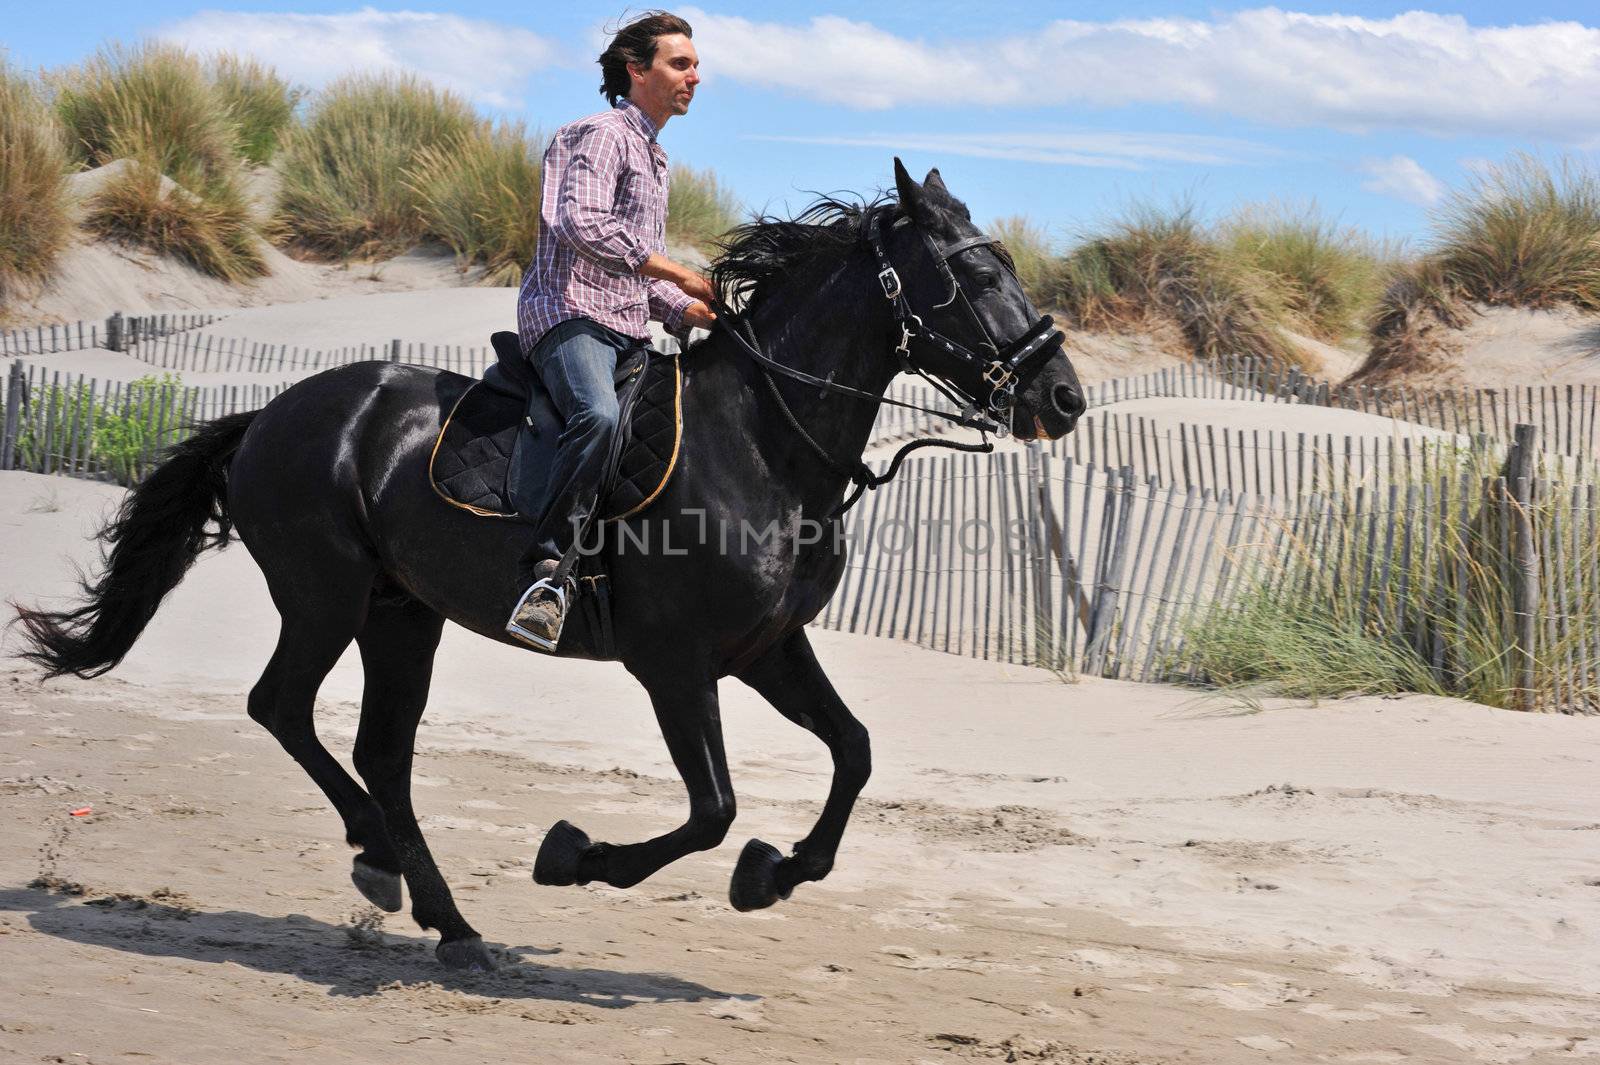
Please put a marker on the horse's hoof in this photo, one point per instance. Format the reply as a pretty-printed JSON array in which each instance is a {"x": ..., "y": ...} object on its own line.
[
  {"x": 559, "y": 855},
  {"x": 469, "y": 955},
  {"x": 755, "y": 885},
  {"x": 381, "y": 888}
]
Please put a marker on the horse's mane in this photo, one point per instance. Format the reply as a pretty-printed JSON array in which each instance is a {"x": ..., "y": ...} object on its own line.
[{"x": 758, "y": 255}]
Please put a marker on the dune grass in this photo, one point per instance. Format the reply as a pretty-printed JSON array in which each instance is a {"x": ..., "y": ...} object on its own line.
[
  {"x": 209, "y": 229},
  {"x": 1345, "y": 608},
  {"x": 258, "y": 103},
  {"x": 479, "y": 193},
  {"x": 35, "y": 222},
  {"x": 1525, "y": 233},
  {"x": 154, "y": 100},
  {"x": 1165, "y": 263},
  {"x": 700, "y": 209},
  {"x": 1328, "y": 276},
  {"x": 345, "y": 189},
  {"x": 156, "y": 107},
  {"x": 1031, "y": 253},
  {"x": 1270, "y": 647}
]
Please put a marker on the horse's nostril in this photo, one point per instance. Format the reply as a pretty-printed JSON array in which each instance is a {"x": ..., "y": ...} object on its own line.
[{"x": 1068, "y": 400}]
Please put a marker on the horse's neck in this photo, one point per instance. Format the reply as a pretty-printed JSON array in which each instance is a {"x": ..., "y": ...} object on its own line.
[{"x": 831, "y": 334}]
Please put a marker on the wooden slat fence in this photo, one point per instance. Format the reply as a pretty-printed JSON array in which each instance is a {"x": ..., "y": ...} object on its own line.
[
  {"x": 1028, "y": 558},
  {"x": 78, "y": 426}
]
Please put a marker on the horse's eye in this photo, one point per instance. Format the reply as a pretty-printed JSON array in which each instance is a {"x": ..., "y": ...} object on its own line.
[{"x": 988, "y": 279}]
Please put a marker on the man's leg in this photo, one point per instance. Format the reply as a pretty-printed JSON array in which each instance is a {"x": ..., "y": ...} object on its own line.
[{"x": 577, "y": 362}]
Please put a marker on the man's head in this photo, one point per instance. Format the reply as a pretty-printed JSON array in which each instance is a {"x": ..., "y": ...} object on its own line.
[{"x": 652, "y": 62}]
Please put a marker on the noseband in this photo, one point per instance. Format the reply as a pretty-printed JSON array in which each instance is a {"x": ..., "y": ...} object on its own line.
[{"x": 1000, "y": 367}]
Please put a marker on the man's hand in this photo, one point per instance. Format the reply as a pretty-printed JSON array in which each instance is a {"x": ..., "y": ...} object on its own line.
[
  {"x": 698, "y": 316},
  {"x": 693, "y": 283}
]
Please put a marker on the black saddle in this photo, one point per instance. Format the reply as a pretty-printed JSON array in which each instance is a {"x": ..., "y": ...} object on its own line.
[{"x": 507, "y": 422}]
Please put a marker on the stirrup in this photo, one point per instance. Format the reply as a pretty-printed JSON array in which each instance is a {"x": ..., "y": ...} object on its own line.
[{"x": 533, "y": 639}]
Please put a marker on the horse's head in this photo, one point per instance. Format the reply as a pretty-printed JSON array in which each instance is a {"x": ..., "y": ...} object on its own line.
[{"x": 973, "y": 325}]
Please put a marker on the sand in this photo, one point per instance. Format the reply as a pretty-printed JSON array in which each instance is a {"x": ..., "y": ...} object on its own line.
[
  {"x": 1506, "y": 345},
  {"x": 1039, "y": 871},
  {"x": 1501, "y": 347}
]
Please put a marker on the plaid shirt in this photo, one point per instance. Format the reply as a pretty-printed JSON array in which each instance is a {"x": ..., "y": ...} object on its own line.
[{"x": 602, "y": 211}]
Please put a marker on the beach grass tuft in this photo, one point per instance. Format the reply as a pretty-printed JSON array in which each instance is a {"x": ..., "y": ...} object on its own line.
[
  {"x": 35, "y": 221},
  {"x": 700, "y": 209},
  {"x": 479, "y": 193},
  {"x": 345, "y": 188}
]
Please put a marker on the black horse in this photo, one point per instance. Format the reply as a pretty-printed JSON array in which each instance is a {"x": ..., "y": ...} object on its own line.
[{"x": 327, "y": 488}]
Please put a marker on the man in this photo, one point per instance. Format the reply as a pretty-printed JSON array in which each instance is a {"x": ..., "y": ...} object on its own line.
[{"x": 598, "y": 276}]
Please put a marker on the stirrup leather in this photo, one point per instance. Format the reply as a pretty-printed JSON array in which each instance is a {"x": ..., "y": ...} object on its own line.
[{"x": 533, "y": 639}]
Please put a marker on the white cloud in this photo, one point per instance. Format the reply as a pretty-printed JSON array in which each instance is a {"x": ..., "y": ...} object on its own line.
[
  {"x": 1125, "y": 151},
  {"x": 1402, "y": 177},
  {"x": 1437, "y": 73},
  {"x": 484, "y": 61}
]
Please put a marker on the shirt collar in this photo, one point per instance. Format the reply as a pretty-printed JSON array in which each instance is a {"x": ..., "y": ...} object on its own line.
[{"x": 638, "y": 119}]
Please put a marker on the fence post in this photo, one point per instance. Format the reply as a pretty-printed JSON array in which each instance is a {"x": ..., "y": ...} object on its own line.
[
  {"x": 1519, "y": 477},
  {"x": 16, "y": 389},
  {"x": 394, "y": 350},
  {"x": 114, "y": 327}
]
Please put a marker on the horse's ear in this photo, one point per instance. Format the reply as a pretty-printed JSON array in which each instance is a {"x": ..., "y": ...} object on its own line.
[
  {"x": 910, "y": 193},
  {"x": 934, "y": 183}
]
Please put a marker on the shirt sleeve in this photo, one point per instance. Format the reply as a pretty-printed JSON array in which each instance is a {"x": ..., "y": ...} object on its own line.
[
  {"x": 667, "y": 303},
  {"x": 585, "y": 201}
]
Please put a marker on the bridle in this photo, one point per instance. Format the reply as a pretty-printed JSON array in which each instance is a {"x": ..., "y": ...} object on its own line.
[{"x": 1001, "y": 369}]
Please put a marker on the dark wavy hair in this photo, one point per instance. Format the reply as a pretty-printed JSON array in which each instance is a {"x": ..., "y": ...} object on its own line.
[{"x": 635, "y": 43}]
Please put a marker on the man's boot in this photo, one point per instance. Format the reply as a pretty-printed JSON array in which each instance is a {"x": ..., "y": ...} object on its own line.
[{"x": 540, "y": 612}]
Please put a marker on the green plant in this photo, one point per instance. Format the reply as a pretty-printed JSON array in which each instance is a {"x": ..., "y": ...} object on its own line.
[
  {"x": 153, "y": 100},
  {"x": 124, "y": 431},
  {"x": 346, "y": 189},
  {"x": 1413, "y": 589},
  {"x": 1329, "y": 276},
  {"x": 699, "y": 209},
  {"x": 34, "y": 219},
  {"x": 480, "y": 194},
  {"x": 1165, "y": 263},
  {"x": 258, "y": 102},
  {"x": 1030, "y": 252},
  {"x": 1419, "y": 305},
  {"x": 1525, "y": 234},
  {"x": 147, "y": 418},
  {"x": 209, "y": 229}
]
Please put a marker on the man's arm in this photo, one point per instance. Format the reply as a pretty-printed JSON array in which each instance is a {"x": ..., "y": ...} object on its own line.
[
  {"x": 667, "y": 303},
  {"x": 585, "y": 208},
  {"x": 585, "y": 218},
  {"x": 678, "y": 296}
]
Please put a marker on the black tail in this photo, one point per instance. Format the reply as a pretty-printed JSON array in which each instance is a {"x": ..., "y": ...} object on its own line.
[{"x": 156, "y": 536}]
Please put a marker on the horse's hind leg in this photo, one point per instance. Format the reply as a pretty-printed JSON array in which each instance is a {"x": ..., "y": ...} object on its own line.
[
  {"x": 397, "y": 647},
  {"x": 317, "y": 626},
  {"x": 789, "y": 677},
  {"x": 692, "y": 725}
]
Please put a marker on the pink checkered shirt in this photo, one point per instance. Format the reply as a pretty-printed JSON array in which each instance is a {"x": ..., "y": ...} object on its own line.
[{"x": 602, "y": 211}]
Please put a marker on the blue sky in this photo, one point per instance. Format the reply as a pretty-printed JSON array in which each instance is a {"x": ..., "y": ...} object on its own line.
[{"x": 1064, "y": 112}]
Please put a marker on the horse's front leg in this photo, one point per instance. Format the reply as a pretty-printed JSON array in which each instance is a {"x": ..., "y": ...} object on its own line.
[
  {"x": 692, "y": 726},
  {"x": 789, "y": 677}
]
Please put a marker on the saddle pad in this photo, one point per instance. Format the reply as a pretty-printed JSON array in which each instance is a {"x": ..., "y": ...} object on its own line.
[{"x": 474, "y": 454}]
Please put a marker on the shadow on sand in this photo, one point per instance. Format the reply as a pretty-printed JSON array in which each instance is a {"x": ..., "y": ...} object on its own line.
[{"x": 348, "y": 961}]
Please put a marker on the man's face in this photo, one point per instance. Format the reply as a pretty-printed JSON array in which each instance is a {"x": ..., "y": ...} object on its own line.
[{"x": 667, "y": 87}]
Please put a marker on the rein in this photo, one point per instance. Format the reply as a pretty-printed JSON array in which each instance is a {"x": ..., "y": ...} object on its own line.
[{"x": 861, "y": 476}]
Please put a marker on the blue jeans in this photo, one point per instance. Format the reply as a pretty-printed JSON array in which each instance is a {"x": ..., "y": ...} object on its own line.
[{"x": 577, "y": 361}]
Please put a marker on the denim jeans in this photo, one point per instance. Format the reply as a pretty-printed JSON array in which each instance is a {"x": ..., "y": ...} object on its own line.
[{"x": 577, "y": 361}]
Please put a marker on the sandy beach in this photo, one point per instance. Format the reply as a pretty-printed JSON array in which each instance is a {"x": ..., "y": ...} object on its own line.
[{"x": 1039, "y": 871}]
